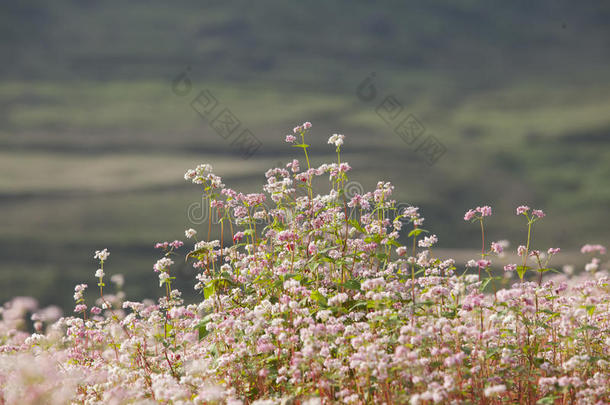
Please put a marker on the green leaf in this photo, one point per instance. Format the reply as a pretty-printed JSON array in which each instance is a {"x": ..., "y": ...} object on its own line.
[
  {"x": 352, "y": 285},
  {"x": 548, "y": 400},
  {"x": 590, "y": 309},
  {"x": 201, "y": 328},
  {"x": 393, "y": 243},
  {"x": 521, "y": 271},
  {"x": 547, "y": 269},
  {"x": 416, "y": 232},
  {"x": 356, "y": 225},
  {"x": 360, "y": 304},
  {"x": 209, "y": 290},
  {"x": 319, "y": 298}
]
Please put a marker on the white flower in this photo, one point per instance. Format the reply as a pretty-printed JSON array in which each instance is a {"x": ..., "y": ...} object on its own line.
[
  {"x": 495, "y": 389},
  {"x": 101, "y": 254},
  {"x": 189, "y": 233},
  {"x": 99, "y": 273},
  {"x": 428, "y": 241},
  {"x": 336, "y": 139},
  {"x": 162, "y": 277},
  {"x": 203, "y": 245},
  {"x": 163, "y": 264},
  {"x": 118, "y": 279}
]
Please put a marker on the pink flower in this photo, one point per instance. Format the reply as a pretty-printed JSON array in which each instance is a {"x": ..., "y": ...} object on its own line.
[
  {"x": 177, "y": 244},
  {"x": 510, "y": 267},
  {"x": 483, "y": 263},
  {"x": 522, "y": 209},
  {"x": 312, "y": 248},
  {"x": 290, "y": 138},
  {"x": 538, "y": 213},
  {"x": 80, "y": 308},
  {"x": 593, "y": 248},
  {"x": 307, "y": 125},
  {"x": 96, "y": 310},
  {"x": 469, "y": 215},
  {"x": 294, "y": 166},
  {"x": 298, "y": 129},
  {"x": 496, "y": 247},
  {"x": 161, "y": 245},
  {"x": 521, "y": 250},
  {"x": 485, "y": 211},
  {"x": 553, "y": 251}
]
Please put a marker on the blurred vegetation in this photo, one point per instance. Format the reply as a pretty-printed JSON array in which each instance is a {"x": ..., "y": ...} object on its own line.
[{"x": 93, "y": 142}]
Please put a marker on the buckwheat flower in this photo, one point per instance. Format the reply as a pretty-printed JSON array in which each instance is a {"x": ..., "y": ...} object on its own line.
[
  {"x": 336, "y": 139},
  {"x": 553, "y": 251},
  {"x": 538, "y": 213},
  {"x": 312, "y": 248},
  {"x": 522, "y": 209},
  {"x": 469, "y": 215},
  {"x": 494, "y": 390},
  {"x": 411, "y": 212},
  {"x": 99, "y": 273},
  {"x": 80, "y": 308},
  {"x": 290, "y": 138},
  {"x": 190, "y": 174},
  {"x": 428, "y": 241},
  {"x": 344, "y": 167},
  {"x": 177, "y": 244},
  {"x": 324, "y": 315},
  {"x": 189, "y": 233},
  {"x": 161, "y": 245},
  {"x": 297, "y": 129},
  {"x": 80, "y": 287},
  {"x": 401, "y": 250},
  {"x": 496, "y": 247},
  {"x": 238, "y": 236},
  {"x": 485, "y": 211},
  {"x": 294, "y": 166},
  {"x": 521, "y": 250},
  {"x": 593, "y": 266},
  {"x": 334, "y": 254},
  {"x": 163, "y": 276},
  {"x": 307, "y": 125},
  {"x": 483, "y": 263},
  {"x": 118, "y": 279},
  {"x": 471, "y": 263},
  {"x": 593, "y": 248},
  {"x": 510, "y": 267},
  {"x": 163, "y": 264},
  {"x": 96, "y": 310},
  {"x": 101, "y": 254}
]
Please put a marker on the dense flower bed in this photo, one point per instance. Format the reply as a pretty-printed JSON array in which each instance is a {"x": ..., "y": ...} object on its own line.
[{"x": 319, "y": 300}]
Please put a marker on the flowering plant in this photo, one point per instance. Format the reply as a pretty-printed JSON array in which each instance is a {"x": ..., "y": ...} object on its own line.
[{"x": 322, "y": 303}]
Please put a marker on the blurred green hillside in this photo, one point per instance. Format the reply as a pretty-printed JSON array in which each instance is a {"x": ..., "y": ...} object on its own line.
[{"x": 94, "y": 142}]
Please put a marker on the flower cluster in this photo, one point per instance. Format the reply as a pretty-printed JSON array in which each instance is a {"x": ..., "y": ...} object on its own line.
[{"x": 325, "y": 302}]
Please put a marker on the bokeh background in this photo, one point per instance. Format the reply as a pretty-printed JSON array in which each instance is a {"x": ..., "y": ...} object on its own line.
[{"x": 94, "y": 141}]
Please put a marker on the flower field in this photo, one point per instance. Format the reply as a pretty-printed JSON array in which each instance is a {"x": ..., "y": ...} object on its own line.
[{"x": 319, "y": 299}]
